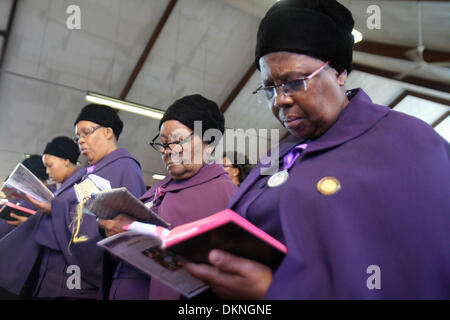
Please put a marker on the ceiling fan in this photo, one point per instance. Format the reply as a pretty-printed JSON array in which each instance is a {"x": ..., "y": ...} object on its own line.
[{"x": 416, "y": 54}]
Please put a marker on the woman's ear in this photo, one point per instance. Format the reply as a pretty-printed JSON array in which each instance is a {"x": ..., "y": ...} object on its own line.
[
  {"x": 109, "y": 133},
  {"x": 209, "y": 148},
  {"x": 342, "y": 78}
]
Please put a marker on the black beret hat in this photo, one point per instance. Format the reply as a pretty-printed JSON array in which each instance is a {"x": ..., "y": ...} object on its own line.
[
  {"x": 63, "y": 147},
  {"x": 101, "y": 115},
  {"x": 35, "y": 165},
  {"x": 196, "y": 108},
  {"x": 317, "y": 28}
]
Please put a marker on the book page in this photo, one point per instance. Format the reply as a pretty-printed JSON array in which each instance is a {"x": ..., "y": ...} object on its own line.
[
  {"x": 143, "y": 251},
  {"x": 108, "y": 204},
  {"x": 22, "y": 181}
]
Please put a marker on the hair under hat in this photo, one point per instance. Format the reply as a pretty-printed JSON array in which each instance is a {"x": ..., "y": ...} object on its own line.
[
  {"x": 63, "y": 147},
  {"x": 101, "y": 115},
  {"x": 193, "y": 108},
  {"x": 317, "y": 28},
  {"x": 35, "y": 165}
]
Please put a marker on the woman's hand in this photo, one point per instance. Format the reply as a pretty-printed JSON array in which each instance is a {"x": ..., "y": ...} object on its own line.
[
  {"x": 233, "y": 277},
  {"x": 115, "y": 225},
  {"x": 44, "y": 207},
  {"x": 19, "y": 220}
]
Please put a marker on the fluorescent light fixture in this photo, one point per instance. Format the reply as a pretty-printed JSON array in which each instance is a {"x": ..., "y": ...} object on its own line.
[
  {"x": 357, "y": 35},
  {"x": 125, "y": 105},
  {"x": 158, "y": 177}
]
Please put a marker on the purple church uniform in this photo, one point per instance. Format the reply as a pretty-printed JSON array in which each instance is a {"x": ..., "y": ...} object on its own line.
[
  {"x": 206, "y": 193},
  {"x": 392, "y": 210},
  {"x": 5, "y": 228},
  {"x": 52, "y": 236}
]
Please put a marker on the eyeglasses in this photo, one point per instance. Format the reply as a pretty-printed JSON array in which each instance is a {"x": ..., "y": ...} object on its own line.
[
  {"x": 84, "y": 133},
  {"x": 289, "y": 87},
  {"x": 174, "y": 146}
]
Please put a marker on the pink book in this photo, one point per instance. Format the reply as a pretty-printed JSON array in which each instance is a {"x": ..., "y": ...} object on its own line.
[
  {"x": 228, "y": 231},
  {"x": 159, "y": 252},
  {"x": 9, "y": 208}
]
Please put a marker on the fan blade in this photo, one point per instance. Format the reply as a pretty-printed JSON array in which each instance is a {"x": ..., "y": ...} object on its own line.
[
  {"x": 404, "y": 74},
  {"x": 445, "y": 64},
  {"x": 412, "y": 54}
]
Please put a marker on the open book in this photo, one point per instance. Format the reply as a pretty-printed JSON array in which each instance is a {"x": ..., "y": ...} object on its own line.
[
  {"x": 108, "y": 204},
  {"x": 158, "y": 251},
  {"x": 23, "y": 182},
  {"x": 8, "y": 208}
]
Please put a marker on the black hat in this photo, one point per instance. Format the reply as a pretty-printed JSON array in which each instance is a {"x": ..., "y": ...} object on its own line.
[
  {"x": 63, "y": 147},
  {"x": 35, "y": 165},
  {"x": 196, "y": 108},
  {"x": 317, "y": 28},
  {"x": 101, "y": 115}
]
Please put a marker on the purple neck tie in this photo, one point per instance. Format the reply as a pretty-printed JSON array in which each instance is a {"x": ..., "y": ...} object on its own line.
[
  {"x": 90, "y": 169},
  {"x": 289, "y": 159}
]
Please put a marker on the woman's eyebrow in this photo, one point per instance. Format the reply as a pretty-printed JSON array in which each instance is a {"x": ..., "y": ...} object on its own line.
[{"x": 290, "y": 75}]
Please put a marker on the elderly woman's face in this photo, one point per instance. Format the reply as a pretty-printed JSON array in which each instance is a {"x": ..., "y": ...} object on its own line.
[
  {"x": 185, "y": 161},
  {"x": 92, "y": 140},
  {"x": 310, "y": 113}
]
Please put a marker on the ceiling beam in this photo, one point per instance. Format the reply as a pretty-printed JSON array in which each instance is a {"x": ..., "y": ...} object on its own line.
[
  {"x": 7, "y": 32},
  {"x": 234, "y": 93},
  {"x": 418, "y": 95},
  {"x": 398, "y": 52},
  {"x": 151, "y": 42},
  {"x": 442, "y": 118},
  {"x": 436, "y": 85}
]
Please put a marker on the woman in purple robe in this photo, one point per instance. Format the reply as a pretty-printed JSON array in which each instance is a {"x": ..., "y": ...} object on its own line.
[
  {"x": 35, "y": 165},
  {"x": 64, "y": 268},
  {"x": 361, "y": 198},
  {"x": 193, "y": 190}
]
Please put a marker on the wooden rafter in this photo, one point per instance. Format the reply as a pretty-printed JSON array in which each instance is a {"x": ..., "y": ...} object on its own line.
[
  {"x": 398, "y": 52},
  {"x": 234, "y": 93},
  {"x": 7, "y": 32},
  {"x": 151, "y": 42},
  {"x": 436, "y": 85}
]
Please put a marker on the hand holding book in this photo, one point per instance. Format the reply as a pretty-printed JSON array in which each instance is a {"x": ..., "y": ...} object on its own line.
[
  {"x": 116, "y": 225},
  {"x": 18, "y": 220},
  {"x": 233, "y": 277},
  {"x": 43, "y": 206}
]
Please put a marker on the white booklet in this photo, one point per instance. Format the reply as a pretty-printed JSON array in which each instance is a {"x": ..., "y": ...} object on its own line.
[
  {"x": 107, "y": 204},
  {"x": 23, "y": 182},
  {"x": 142, "y": 247}
]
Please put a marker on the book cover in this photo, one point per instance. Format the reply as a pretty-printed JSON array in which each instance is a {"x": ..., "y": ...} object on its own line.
[
  {"x": 23, "y": 182},
  {"x": 158, "y": 251},
  {"x": 8, "y": 208},
  {"x": 227, "y": 231}
]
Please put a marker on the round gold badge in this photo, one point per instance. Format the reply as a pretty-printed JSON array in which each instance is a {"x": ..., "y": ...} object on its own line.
[{"x": 328, "y": 186}]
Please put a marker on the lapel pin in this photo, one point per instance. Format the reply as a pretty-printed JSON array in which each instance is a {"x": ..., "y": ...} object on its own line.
[{"x": 328, "y": 186}]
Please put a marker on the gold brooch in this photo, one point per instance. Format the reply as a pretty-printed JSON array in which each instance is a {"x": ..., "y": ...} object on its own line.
[{"x": 328, "y": 186}]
